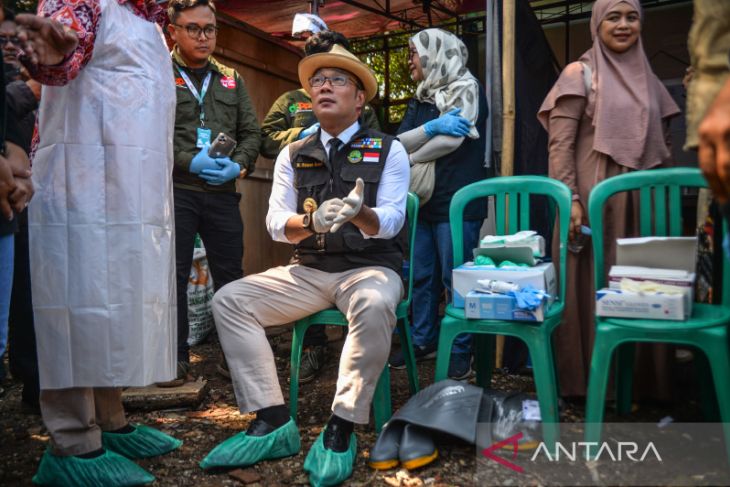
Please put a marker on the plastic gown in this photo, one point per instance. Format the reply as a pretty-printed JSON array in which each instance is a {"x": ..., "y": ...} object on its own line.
[{"x": 101, "y": 223}]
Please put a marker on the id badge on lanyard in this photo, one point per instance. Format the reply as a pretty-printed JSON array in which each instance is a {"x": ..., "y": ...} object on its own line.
[{"x": 204, "y": 134}]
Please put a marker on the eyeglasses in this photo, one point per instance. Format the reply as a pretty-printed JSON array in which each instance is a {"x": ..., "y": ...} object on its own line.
[
  {"x": 337, "y": 80},
  {"x": 194, "y": 30},
  {"x": 4, "y": 40}
]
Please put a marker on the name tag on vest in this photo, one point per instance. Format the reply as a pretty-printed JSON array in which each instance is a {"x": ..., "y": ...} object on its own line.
[{"x": 309, "y": 165}]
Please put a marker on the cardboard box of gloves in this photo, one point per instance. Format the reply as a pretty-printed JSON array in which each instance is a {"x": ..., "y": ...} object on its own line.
[
  {"x": 653, "y": 279},
  {"x": 506, "y": 280}
]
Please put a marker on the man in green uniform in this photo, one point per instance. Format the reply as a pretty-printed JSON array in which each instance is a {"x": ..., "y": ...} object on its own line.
[{"x": 211, "y": 98}]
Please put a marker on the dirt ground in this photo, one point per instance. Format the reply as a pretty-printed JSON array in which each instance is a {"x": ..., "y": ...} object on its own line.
[{"x": 23, "y": 437}]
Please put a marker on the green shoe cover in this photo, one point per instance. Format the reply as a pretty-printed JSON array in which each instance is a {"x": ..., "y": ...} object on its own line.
[
  {"x": 143, "y": 442},
  {"x": 242, "y": 450},
  {"x": 109, "y": 470},
  {"x": 326, "y": 467}
]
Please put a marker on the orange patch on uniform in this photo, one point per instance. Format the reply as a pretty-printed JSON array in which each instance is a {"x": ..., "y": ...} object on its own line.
[{"x": 179, "y": 82}]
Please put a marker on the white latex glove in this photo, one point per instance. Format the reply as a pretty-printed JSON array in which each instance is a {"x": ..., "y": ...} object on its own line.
[
  {"x": 352, "y": 205},
  {"x": 324, "y": 217}
]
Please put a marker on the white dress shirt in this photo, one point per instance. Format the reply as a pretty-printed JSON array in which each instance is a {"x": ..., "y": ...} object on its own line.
[{"x": 390, "y": 204}]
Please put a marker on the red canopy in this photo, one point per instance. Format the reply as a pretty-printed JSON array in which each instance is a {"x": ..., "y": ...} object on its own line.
[{"x": 353, "y": 18}]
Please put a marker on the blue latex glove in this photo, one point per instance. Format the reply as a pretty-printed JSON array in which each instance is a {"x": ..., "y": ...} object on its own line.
[
  {"x": 225, "y": 170},
  {"x": 202, "y": 161},
  {"x": 528, "y": 297},
  {"x": 450, "y": 123},
  {"x": 308, "y": 131}
]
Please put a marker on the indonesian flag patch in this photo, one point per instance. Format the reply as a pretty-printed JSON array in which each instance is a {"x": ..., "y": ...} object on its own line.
[{"x": 371, "y": 157}]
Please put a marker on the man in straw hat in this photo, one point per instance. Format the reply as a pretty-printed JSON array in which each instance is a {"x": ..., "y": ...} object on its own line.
[{"x": 339, "y": 196}]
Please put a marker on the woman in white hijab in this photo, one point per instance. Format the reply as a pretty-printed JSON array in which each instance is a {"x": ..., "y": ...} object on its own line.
[{"x": 443, "y": 131}]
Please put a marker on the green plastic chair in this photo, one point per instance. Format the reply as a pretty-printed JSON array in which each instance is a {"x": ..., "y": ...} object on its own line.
[
  {"x": 381, "y": 401},
  {"x": 537, "y": 336},
  {"x": 706, "y": 329}
]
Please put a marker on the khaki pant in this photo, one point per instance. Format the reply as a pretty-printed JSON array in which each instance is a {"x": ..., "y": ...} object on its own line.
[
  {"x": 244, "y": 308},
  {"x": 76, "y": 417}
]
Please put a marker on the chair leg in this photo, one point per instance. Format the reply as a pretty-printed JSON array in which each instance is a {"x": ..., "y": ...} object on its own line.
[
  {"x": 484, "y": 358},
  {"x": 547, "y": 393},
  {"x": 443, "y": 351},
  {"x": 404, "y": 331},
  {"x": 597, "y": 384},
  {"x": 625, "y": 356},
  {"x": 381, "y": 400},
  {"x": 296, "y": 359},
  {"x": 717, "y": 353},
  {"x": 708, "y": 398}
]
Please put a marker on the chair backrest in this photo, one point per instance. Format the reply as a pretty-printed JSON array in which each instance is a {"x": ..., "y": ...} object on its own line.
[
  {"x": 512, "y": 196},
  {"x": 412, "y": 219},
  {"x": 660, "y": 209}
]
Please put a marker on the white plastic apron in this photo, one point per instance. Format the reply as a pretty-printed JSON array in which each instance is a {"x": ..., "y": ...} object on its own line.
[{"x": 101, "y": 222}]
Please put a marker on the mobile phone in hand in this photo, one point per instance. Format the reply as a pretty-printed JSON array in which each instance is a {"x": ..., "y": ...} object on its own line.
[{"x": 222, "y": 146}]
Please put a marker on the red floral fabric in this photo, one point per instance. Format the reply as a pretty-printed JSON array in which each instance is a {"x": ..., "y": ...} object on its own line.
[{"x": 83, "y": 16}]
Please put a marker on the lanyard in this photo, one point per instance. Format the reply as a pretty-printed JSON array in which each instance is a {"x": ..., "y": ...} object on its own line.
[{"x": 198, "y": 96}]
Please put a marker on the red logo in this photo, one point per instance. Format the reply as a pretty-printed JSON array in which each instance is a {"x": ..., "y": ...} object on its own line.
[
  {"x": 67, "y": 17},
  {"x": 180, "y": 82},
  {"x": 228, "y": 82},
  {"x": 512, "y": 440}
]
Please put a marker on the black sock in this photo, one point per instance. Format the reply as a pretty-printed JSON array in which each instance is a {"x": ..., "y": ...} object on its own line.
[
  {"x": 275, "y": 416},
  {"x": 91, "y": 454},
  {"x": 337, "y": 434},
  {"x": 346, "y": 426},
  {"x": 128, "y": 428}
]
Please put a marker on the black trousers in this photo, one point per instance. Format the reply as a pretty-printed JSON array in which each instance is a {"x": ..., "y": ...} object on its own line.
[
  {"x": 216, "y": 217},
  {"x": 21, "y": 338}
]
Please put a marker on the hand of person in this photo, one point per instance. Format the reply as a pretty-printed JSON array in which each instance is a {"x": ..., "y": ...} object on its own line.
[
  {"x": 18, "y": 160},
  {"x": 450, "y": 123},
  {"x": 35, "y": 87},
  {"x": 226, "y": 170},
  {"x": 203, "y": 161},
  {"x": 20, "y": 167},
  {"x": 352, "y": 205},
  {"x": 324, "y": 217},
  {"x": 22, "y": 195},
  {"x": 7, "y": 186},
  {"x": 308, "y": 131},
  {"x": 45, "y": 41},
  {"x": 714, "y": 148},
  {"x": 577, "y": 218}
]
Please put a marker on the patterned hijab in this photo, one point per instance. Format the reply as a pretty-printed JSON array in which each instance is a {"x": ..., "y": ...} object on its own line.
[
  {"x": 627, "y": 102},
  {"x": 447, "y": 83}
]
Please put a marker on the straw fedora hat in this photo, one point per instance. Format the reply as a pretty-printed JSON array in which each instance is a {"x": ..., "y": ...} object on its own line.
[{"x": 341, "y": 58}]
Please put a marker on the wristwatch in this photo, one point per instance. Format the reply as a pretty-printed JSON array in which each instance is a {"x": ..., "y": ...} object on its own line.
[{"x": 307, "y": 222}]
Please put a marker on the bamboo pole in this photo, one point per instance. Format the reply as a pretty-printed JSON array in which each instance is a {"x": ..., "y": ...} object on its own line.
[
  {"x": 508, "y": 117},
  {"x": 508, "y": 87}
]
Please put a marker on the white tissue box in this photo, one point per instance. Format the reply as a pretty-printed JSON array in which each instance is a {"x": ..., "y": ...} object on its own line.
[
  {"x": 652, "y": 306},
  {"x": 670, "y": 277}
]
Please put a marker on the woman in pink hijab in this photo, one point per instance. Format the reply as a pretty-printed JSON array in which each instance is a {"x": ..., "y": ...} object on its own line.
[{"x": 607, "y": 114}]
